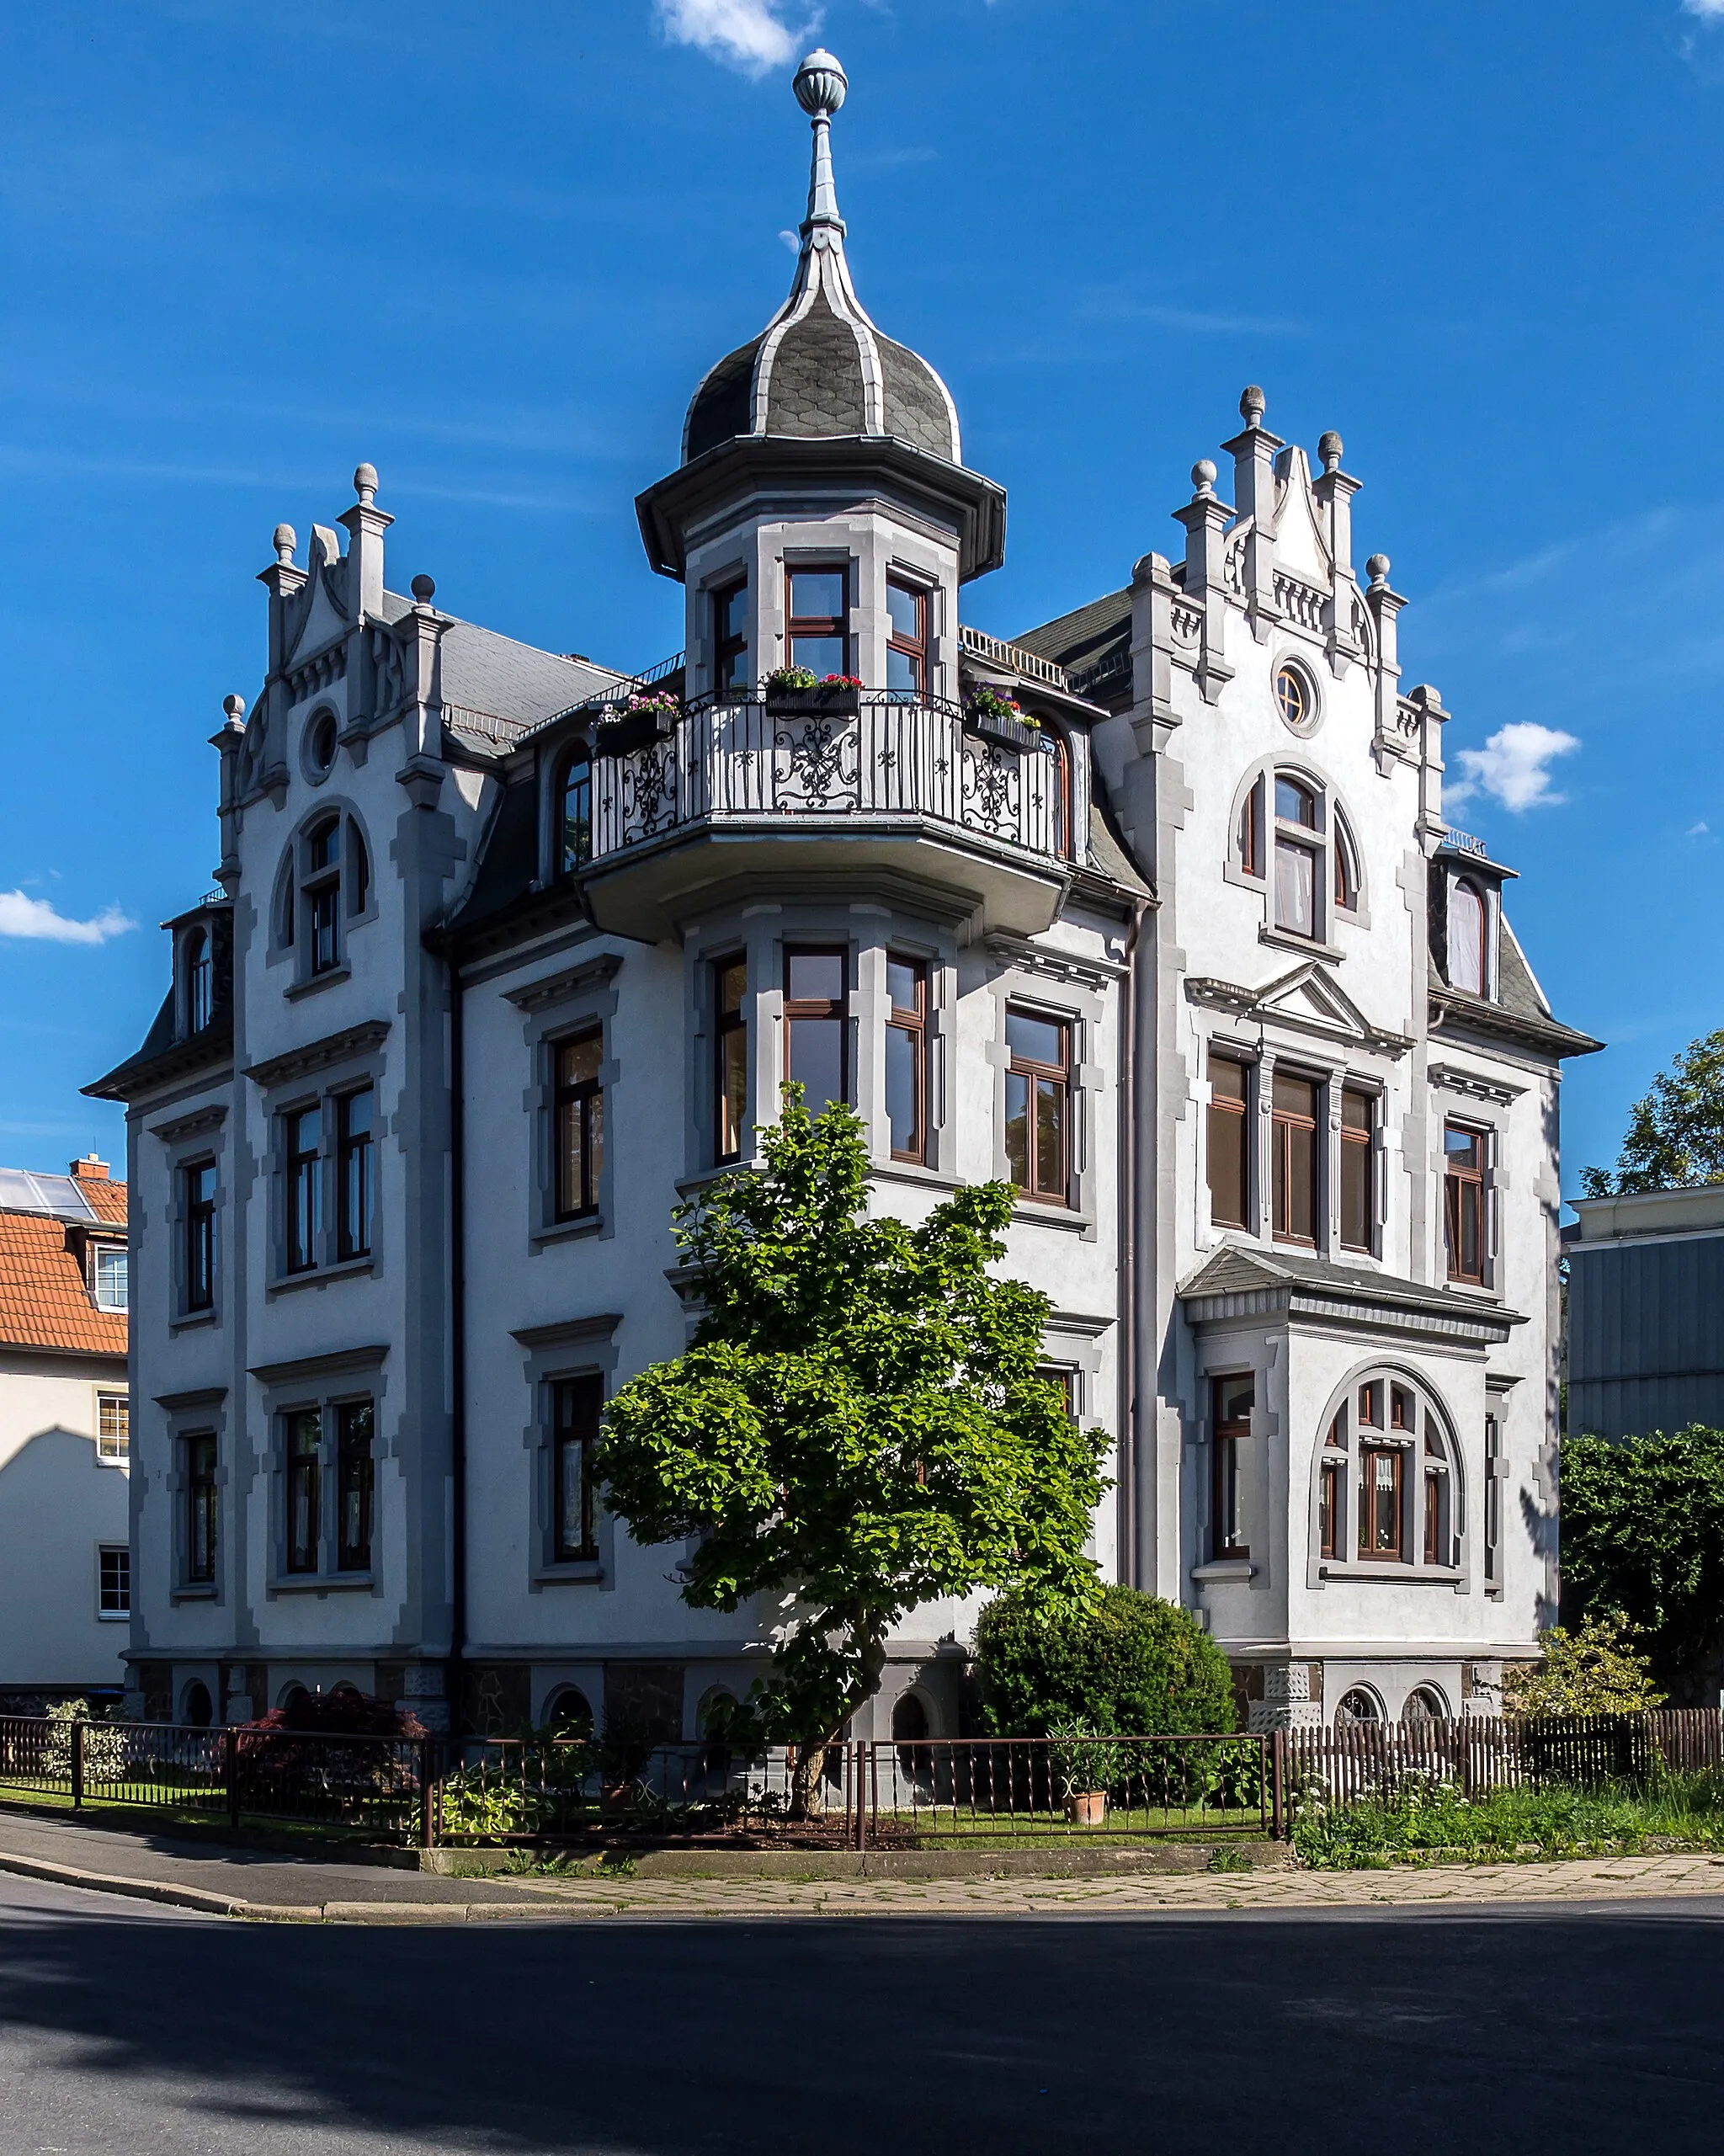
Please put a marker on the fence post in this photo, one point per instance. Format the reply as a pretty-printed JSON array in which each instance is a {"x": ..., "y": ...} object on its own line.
[
  {"x": 427, "y": 1828},
  {"x": 861, "y": 1772},
  {"x": 77, "y": 1764},
  {"x": 1277, "y": 1754},
  {"x": 230, "y": 1770}
]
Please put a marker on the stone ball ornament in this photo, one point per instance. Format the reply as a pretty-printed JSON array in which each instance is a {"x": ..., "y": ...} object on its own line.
[
  {"x": 821, "y": 83},
  {"x": 422, "y": 588}
]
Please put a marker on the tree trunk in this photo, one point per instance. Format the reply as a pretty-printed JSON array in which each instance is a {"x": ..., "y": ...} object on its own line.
[
  {"x": 807, "y": 1784},
  {"x": 807, "y": 1776}
]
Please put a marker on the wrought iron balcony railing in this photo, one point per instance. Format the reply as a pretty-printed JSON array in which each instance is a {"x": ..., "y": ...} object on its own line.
[{"x": 881, "y": 760}]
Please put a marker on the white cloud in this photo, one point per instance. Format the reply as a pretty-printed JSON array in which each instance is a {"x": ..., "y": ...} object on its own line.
[
  {"x": 1698, "y": 831},
  {"x": 34, "y": 918},
  {"x": 746, "y": 33},
  {"x": 1708, "y": 10},
  {"x": 1513, "y": 767}
]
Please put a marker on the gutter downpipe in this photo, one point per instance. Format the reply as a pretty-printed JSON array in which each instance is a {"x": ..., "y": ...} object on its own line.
[
  {"x": 1127, "y": 1203},
  {"x": 458, "y": 1347}
]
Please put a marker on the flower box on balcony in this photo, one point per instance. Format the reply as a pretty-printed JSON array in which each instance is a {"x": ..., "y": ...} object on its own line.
[
  {"x": 838, "y": 702},
  {"x": 1004, "y": 729},
  {"x": 637, "y": 729}
]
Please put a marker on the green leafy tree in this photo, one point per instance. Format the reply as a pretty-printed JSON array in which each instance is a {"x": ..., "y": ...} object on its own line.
[
  {"x": 1597, "y": 1670},
  {"x": 1676, "y": 1134},
  {"x": 1643, "y": 1539},
  {"x": 1123, "y": 1662},
  {"x": 857, "y": 1428}
]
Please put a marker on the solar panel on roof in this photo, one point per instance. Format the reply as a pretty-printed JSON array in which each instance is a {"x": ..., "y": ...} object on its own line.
[{"x": 59, "y": 1196}]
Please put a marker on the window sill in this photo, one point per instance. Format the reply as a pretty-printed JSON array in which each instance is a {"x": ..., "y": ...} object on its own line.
[
  {"x": 113, "y": 1616},
  {"x": 911, "y": 1171},
  {"x": 196, "y": 1591},
  {"x": 321, "y": 1583},
  {"x": 192, "y": 1322},
  {"x": 320, "y": 1275},
  {"x": 1311, "y": 946},
  {"x": 1388, "y": 1573},
  {"x": 1044, "y": 1212},
  {"x": 1473, "y": 1291},
  {"x": 569, "y": 1230},
  {"x": 313, "y": 981},
  {"x": 1224, "y": 1569},
  {"x": 578, "y": 1572}
]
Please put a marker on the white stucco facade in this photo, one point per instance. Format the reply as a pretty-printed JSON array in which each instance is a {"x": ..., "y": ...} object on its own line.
[{"x": 374, "y": 1291}]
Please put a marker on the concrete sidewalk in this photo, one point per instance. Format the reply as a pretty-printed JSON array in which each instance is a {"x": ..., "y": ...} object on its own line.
[{"x": 248, "y": 1884}]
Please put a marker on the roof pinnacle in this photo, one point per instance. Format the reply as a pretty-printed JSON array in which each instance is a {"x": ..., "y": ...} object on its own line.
[{"x": 820, "y": 85}]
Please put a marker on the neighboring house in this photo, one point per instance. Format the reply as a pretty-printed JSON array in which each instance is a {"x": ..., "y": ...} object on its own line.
[
  {"x": 1646, "y": 1289},
  {"x": 65, "y": 1556},
  {"x": 511, "y": 954}
]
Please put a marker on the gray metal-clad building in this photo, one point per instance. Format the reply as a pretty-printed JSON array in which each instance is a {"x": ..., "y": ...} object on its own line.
[{"x": 1646, "y": 1312}]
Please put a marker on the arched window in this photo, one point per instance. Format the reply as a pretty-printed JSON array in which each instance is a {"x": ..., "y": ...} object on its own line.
[
  {"x": 573, "y": 812},
  {"x": 568, "y": 1714},
  {"x": 196, "y": 1709},
  {"x": 1298, "y": 856},
  {"x": 910, "y": 1734},
  {"x": 199, "y": 981},
  {"x": 1425, "y": 1703},
  {"x": 1467, "y": 937},
  {"x": 1060, "y": 778},
  {"x": 320, "y": 890},
  {"x": 1358, "y": 1706},
  {"x": 359, "y": 870},
  {"x": 1346, "y": 869},
  {"x": 1386, "y": 1480}
]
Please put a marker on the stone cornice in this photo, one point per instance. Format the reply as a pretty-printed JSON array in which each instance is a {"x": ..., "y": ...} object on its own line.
[{"x": 319, "y": 1055}]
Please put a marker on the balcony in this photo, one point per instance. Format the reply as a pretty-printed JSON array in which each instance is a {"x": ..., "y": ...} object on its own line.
[{"x": 896, "y": 795}]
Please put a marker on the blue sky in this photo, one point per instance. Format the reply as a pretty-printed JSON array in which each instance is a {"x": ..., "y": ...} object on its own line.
[{"x": 492, "y": 249}]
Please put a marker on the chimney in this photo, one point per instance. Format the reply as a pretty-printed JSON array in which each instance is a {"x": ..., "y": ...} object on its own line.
[{"x": 89, "y": 1170}]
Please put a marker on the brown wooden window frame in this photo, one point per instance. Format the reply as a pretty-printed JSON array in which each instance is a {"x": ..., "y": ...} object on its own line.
[
  {"x": 912, "y": 649},
  {"x": 1250, "y": 834},
  {"x": 818, "y": 625},
  {"x": 730, "y": 645},
  {"x": 302, "y": 1453},
  {"x": 730, "y": 1038},
  {"x": 1493, "y": 1504},
  {"x": 1286, "y": 1129},
  {"x": 910, "y": 1021},
  {"x": 1294, "y": 835},
  {"x": 1359, "y": 1169},
  {"x": 1227, "y": 1472},
  {"x": 578, "y": 1102},
  {"x": 577, "y": 1410},
  {"x": 1332, "y": 1485},
  {"x": 202, "y": 1459},
  {"x": 1464, "y": 1191},
  {"x": 1346, "y": 866},
  {"x": 1228, "y": 1137},
  {"x": 820, "y": 1010},
  {"x": 1369, "y": 1549},
  {"x": 1035, "y": 1074}
]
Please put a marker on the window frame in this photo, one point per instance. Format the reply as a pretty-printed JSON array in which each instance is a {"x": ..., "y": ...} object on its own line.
[
  {"x": 1310, "y": 843},
  {"x": 1035, "y": 1073},
  {"x": 1457, "y": 1183},
  {"x": 1227, "y": 1540},
  {"x": 103, "y": 1251},
  {"x": 1482, "y": 954},
  {"x": 355, "y": 1176},
  {"x": 302, "y": 1189},
  {"x": 198, "y": 1226},
  {"x": 910, "y": 1021},
  {"x": 117, "y": 1610},
  {"x": 201, "y": 1463},
  {"x": 730, "y": 1041},
  {"x": 577, "y": 1413},
  {"x": 570, "y": 861},
  {"x": 1358, "y": 1157},
  {"x": 320, "y": 883},
  {"x": 1283, "y": 1122},
  {"x": 1304, "y": 722},
  {"x": 1370, "y": 1552},
  {"x": 355, "y": 1477},
  {"x": 836, "y": 625},
  {"x": 1228, "y": 1127},
  {"x": 820, "y": 1010},
  {"x": 912, "y": 649},
  {"x": 582, "y": 1100},
  {"x": 303, "y": 1435},
  {"x": 113, "y": 1446},
  {"x": 729, "y": 645},
  {"x": 198, "y": 960}
]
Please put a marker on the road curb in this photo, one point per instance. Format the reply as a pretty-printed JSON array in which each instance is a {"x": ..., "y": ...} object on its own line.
[{"x": 143, "y": 1890}]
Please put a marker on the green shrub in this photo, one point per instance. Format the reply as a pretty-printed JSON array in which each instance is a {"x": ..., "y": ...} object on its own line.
[{"x": 1127, "y": 1663}]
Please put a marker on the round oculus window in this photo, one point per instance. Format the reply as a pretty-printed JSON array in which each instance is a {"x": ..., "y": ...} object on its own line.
[
  {"x": 320, "y": 745},
  {"x": 1296, "y": 698}
]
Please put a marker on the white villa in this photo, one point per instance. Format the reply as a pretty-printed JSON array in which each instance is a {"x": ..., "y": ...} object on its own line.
[{"x": 511, "y": 952}]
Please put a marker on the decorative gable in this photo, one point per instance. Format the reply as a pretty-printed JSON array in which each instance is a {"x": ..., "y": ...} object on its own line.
[
  {"x": 1309, "y": 1000},
  {"x": 1301, "y": 550}
]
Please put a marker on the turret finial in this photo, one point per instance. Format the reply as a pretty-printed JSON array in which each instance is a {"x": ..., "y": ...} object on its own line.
[
  {"x": 1328, "y": 450},
  {"x": 1250, "y": 405},
  {"x": 1203, "y": 478},
  {"x": 820, "y": 86},
  {"x": 365, "y": 485},
  {"x": 1377, "y": 569},
  {"x": 235, "y": 707},
  {"x": 285, "y": 541}
]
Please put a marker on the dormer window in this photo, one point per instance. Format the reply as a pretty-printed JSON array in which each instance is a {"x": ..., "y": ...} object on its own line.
[
  {"x": 906, "y": 638},
  {"x": 108, "y": 1276},
  {"x": 1467, "y": 969},
  {"x": 730, "y": 640},
  {"x": 574, "y": 814},
  {"x": 199, "y": 980},
  {"x": 819, "y": 620}
]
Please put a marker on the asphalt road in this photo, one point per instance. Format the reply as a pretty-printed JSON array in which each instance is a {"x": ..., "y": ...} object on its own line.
[{"x": 128, "y": 2028}]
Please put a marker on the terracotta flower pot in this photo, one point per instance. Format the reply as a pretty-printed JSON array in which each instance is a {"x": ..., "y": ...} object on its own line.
[{"x": 1087, "y": 1807}]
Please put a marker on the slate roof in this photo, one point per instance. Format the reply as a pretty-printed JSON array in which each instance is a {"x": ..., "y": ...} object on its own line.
[
  {"x": 1078, "y": 639},
  {"x": 45, "y": 1300},
  {"x": 481, "y": 671},
  {"x": 1236, "y": 1269},
  {"x": 1519, "y": 1010}
]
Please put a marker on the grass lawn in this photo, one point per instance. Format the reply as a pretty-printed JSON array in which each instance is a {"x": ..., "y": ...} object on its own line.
[{"x": 190, "y": 1816}]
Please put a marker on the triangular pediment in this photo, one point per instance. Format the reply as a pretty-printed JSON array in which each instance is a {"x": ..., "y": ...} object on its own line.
[
  {"x": 1310, "y": 999},
  {"x": 1300, "y": 549}
]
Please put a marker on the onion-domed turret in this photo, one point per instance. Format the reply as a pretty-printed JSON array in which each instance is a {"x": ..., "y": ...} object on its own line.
[{"x": 820, "y": 368}]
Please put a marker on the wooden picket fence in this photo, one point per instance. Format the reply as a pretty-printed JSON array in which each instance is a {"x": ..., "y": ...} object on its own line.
[{"x": 1364, "y": 1758}]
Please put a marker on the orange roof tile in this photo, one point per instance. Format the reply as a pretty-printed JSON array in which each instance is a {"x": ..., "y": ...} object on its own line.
[{"x": 45, "y": 1301}]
